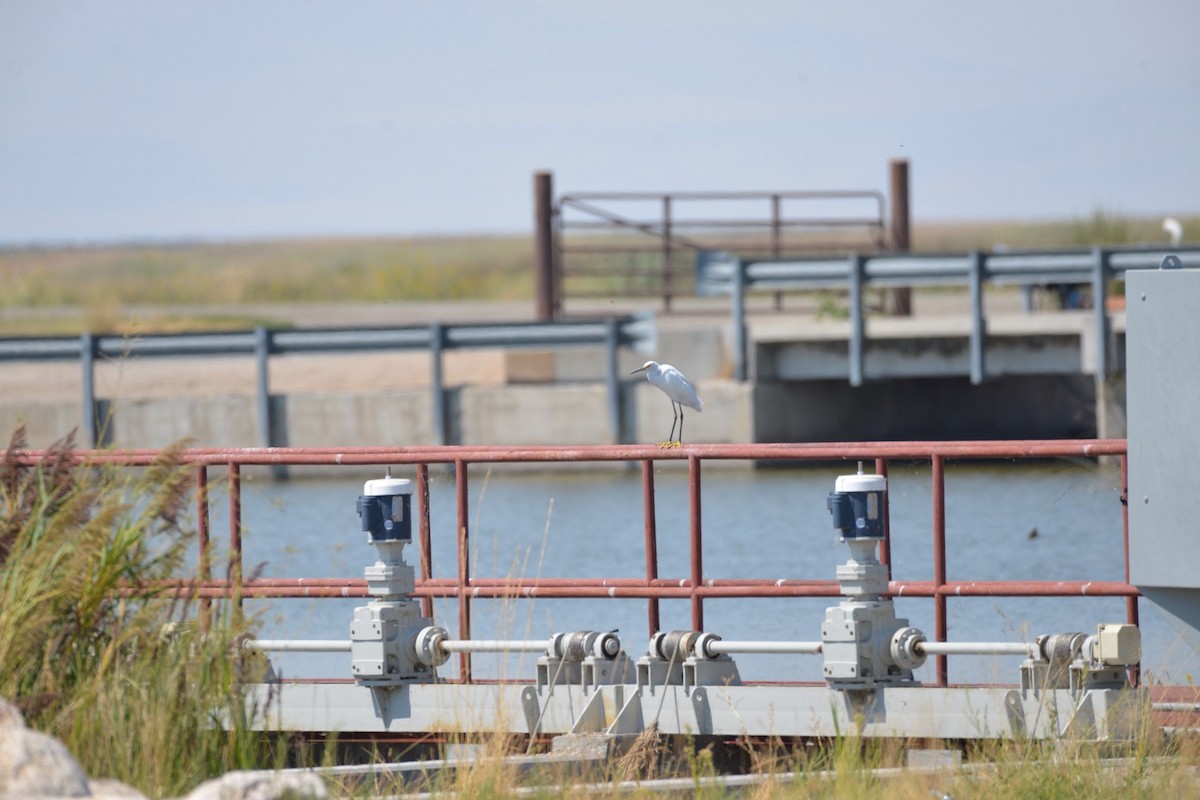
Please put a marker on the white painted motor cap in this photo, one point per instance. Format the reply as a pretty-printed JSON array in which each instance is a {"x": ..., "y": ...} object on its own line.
[
  {"x": 387, "y": 487},
  {"x": 860, "y": 483}
]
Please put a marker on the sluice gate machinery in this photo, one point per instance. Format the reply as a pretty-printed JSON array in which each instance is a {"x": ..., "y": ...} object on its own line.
[{"x": 688, "y": 682}]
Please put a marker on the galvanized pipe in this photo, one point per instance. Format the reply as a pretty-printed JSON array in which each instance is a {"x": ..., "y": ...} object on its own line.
[
  {"x": 722, "y": 647},
  {"x": 942, "y": 649},
  {"x": 495, "y": 645}
]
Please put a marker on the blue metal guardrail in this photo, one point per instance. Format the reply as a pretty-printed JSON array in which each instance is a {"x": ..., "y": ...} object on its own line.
[
  {"x": 725, "y": 273},
  {"x": 635, "y": 332}
]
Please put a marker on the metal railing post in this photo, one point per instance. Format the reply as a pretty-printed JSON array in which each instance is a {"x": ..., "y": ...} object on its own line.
[
  {"x": 975, "y": 264},
  {"x": 858, "y": 325},
  {"x": 464, "y": 567},
  {"x": 1131, "y": 603},
  {"x": 651, "y": 532},
  {"x": 738, "y": 311},
  {"x": 437, "y": 341},
  {"x": 667, "y": 288},
  {"x": 204, "y": 560},
  {"x": 612, "y": 382},
  {"x": 87, "y": 362},
  {"x": 885, "y": 547},
  {"x": 262, "y": 352},
  {"x": 235, "y": 530},
  {"x": 697, "y": 544},
  {"x": 939, "y": 562},
  {"x": 424, "y": 536},
  {"x": 266, "y": 417},
  {"x": 1099, "y": 306},
  {"x": 543, "y": 246}
]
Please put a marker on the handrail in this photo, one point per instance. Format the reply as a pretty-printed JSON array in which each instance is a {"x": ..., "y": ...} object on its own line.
[
  {"x": 636, "y": 332},
  {"x": 694, "y": 587},
  {"x": 723, "y": 273}
]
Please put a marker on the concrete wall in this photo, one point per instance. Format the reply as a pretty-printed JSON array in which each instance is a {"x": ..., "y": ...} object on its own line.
[{"x": 535, "y": 414}]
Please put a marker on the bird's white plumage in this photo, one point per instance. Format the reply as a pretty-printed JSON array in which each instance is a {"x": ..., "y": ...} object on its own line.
[
  {"x": 1173, "y": 229},
  {"x": 675, "y": 385}
]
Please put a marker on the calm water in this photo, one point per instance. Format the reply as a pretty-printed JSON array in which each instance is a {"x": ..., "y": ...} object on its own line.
[{"x": 756, "y": 524}]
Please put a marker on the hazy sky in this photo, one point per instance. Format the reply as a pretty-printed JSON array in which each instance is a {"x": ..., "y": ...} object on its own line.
[{"x": 135, "y": 120}]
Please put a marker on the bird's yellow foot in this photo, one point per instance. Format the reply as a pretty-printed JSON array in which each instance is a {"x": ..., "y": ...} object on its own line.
[{"x": 669, "y": 445}]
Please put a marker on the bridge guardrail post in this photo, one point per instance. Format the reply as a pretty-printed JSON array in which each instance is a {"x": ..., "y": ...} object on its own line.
[
  {"x": 857, "y": 321},
  {"x": 740, "y": 344},
  {"x": 978, "y": 323},
  {"x": 612, "y": 341},
  {"x": 437, "y": 343},
  {"x": 87, "y": 362}
]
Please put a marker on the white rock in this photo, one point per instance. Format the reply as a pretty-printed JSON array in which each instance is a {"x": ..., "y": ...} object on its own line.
[
  {"x": 262, "y": 786},
  {"x": 109, "y": 789},
  {"x": 33, "y": 764},
  {"x": 10, "y": 717}
]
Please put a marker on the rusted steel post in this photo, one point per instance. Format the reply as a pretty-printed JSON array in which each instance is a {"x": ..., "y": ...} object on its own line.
[
  {"x": 545, "y": 278},
  {"x": 901, "y": 296},
  {"x": 667, "y": 288},
  {"x": 648, "y": 514},
  {"x": 425, "y": 542},
  {"x": 1131, "y": 603},
  {"x": 464, "y": 568},
  {"x": 202, "y": 540},
  {"x": 697, "y": 548},
  {"x": 235, "y": 529},
  {"x": 885, "y": 547},
  {"x": 939, "y": 561}
]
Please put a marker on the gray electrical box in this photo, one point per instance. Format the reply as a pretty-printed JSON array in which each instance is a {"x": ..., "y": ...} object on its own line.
[{"x": 1162, "y": 356}]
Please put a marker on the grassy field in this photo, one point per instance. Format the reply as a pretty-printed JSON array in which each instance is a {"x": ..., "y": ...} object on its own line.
[{"x": 207, "y": 285}]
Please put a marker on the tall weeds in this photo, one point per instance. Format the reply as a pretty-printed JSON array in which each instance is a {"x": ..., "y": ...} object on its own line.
[{"x": 131, "y": 682}]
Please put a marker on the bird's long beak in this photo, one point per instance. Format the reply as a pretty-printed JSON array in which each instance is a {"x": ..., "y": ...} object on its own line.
[{"x": 636, "y": 371}]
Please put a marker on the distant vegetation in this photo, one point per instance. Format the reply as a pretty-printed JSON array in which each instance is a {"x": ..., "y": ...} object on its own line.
[{"x": 209, "y": 286}]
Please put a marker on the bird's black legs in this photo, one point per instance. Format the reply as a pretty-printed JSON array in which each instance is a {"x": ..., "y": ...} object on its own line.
[{"x": 677, "y": 410}]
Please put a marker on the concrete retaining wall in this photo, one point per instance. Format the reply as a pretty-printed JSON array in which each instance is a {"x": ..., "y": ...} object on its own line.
[{"x": 535, "y": 414}]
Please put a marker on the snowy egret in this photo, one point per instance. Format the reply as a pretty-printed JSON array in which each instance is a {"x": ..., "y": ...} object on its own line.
[
  {"x": 678, "y": 388},
  {"x": 1173, "y": 229}
]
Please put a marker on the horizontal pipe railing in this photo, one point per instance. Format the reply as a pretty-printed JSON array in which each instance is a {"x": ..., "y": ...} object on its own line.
[
  {"x": 719, "y": 273},
  {"x": 694, "y": 588},
  {"x": 635, "y": 332}
]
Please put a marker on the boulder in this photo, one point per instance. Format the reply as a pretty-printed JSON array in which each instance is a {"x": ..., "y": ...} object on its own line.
[
  {"x": 33, "y": 764},
  {"x": 261, "y": 785}
]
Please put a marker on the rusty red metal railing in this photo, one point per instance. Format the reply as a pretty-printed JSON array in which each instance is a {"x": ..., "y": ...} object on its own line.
[{"x": 464, "y": 587}]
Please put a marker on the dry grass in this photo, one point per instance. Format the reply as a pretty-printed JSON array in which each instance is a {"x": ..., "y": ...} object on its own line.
[
  {"x": 201, "y": 286},
  {"x": 134, "y": 685}
]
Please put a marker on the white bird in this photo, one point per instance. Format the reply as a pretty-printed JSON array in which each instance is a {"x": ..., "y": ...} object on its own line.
[
  {"x": 678, "y": 388},
  {"x": 1173, "y": 229}
]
